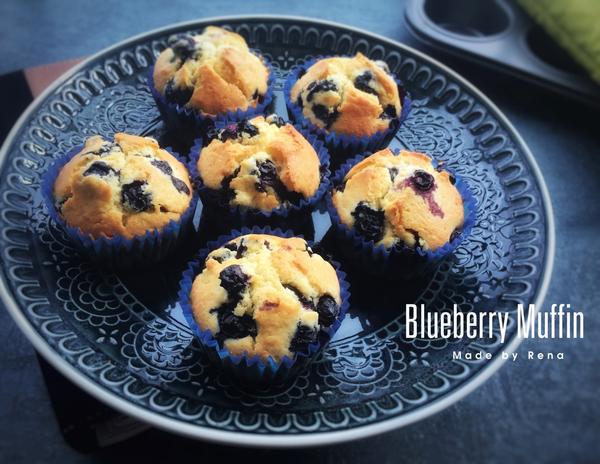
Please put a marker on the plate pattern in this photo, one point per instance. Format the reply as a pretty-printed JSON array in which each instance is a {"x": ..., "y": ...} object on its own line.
[{"x": 142, "y": 351}]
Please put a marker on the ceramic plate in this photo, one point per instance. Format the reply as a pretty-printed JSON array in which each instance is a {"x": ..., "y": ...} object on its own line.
[{"x": 121, "y": 337}]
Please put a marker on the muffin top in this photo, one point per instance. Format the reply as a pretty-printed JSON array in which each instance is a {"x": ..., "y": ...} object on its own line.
[
  {"x": 263, "y": 163},
  {"x": 352, "y": 96},
  {"x": 126, "y": 187},
  {"x": 400, "y": 200},
  {"x": 265, "y": 295},
  {"x": 212, "y": 72}
]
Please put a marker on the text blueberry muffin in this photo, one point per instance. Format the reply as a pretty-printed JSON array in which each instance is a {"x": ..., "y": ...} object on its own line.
[
  {"x": 213, "y": 72},
  {"x": 121, "y": 188},
  {"x": 262, "y": 164},
  {"x": 265, "y": 295},
  {"x": 400, "y": 200},
  {"x": 351, "y": 96}
]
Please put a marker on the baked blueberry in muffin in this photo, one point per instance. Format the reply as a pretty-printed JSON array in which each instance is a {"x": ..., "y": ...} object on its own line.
[
  {"x": 262, "y": 163},
  {"x": 124, "y": 187},
  {"x": 265, "y": 295},
  {"x": 348, "y": 95},
  {"x": 212, "y": 72},
  {"x": 400, "y": 201}
]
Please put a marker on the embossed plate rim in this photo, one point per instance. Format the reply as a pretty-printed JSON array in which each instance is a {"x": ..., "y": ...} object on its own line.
[{"x": 275, "y": 440}]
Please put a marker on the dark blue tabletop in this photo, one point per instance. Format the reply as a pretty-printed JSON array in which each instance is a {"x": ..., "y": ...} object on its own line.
[{"x": 531, "y": 410}]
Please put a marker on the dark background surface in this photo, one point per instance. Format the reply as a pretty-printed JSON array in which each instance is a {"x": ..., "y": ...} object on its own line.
[{"x": 529, "y": 411}]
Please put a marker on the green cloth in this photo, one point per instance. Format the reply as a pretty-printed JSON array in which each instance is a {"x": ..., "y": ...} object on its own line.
[{"x": 575, "y": 25}]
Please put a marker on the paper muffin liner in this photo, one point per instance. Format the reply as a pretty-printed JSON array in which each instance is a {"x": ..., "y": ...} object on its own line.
[
  {"x": 341, "y": 146},
  {"x": 293, "y": 216},
  {"x": 187, "y": 121},
  {"x": 396, "y": 263},
  {"x": 252, "y": 369},
  {"x": 152, "y": 247}
]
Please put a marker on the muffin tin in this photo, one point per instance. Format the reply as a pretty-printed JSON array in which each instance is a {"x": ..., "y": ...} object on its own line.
[
  {"x": 122, "y": 337},
  {"x": 499, "y": 34}
]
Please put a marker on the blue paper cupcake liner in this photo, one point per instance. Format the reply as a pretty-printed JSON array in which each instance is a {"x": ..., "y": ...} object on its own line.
[
  {"x": 395, "y": 263},
  {"x": 242, "y": 216},
  {"x": 189, "y": 120},
  {"x": 253, "y": 369},
  {"x": 340, "y": 145},
  {"x": 153, "y": 246}
]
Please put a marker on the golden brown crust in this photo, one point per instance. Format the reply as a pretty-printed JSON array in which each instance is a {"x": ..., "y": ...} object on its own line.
[
  {"x": 428, "y": 215},
  {"x": 356, "y": 104},
  {"x": 89, "y": 189},
  {"x": 217, "y": 68},
  {"x": 296, "y": 162},
  {"x": 277, "y": 271}
]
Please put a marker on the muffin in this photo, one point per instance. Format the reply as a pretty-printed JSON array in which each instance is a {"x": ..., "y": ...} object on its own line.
[
  {"x": 211, "y": 73},
  {"x": 121, "y": 188},
  {"x": 351, "y": 96},
  {"x": 261, "y": 164},
  {"x": 266, "y": 296},
  {"x": 400, "y": 201}
]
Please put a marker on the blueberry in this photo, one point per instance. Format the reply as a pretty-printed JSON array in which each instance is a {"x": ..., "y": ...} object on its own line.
[
  {"x": 323, "y": 113},
  {"x": 303, "y": 337},
  {"x": 183, "y": 46},
  {"x": 241, "y": 249},
  {"x": 180, "y": 185},
  {"x": 227, "y": 193},
  {"x": 393, "y": 173},
  {"x": 134, "y": 196},
  {"x": 229, "y": 133},
  {"x": 168, "y": 170},
  {"x": 232, "y": 246},
  {"x": 416, "y": 237},
  {"x": 368, "y": 222},
  {"x": 104, "y": 149},
  {"x": 389, "y": 112},
  {"x": 299, "y": 101},
  {"x": 452, "y": 179},
  {"x": 275, "y": 119},
  {"x": 422, "y": 180},
  {"x": 177, "y": 94},
  {"x": 232, "y": 326},
  {"x": 267, "y": 175},
  {"x": 304, "y": 300},
  {"x": 234, "y": 280},
  {"x": 362, "y": 82},
  {"x": 99, "y": 168},
  {"x": 325, "y": 85},
  {"x": 246, "y": 128},
  {"x": 163, "y": 166},
  {"x": 328, "y": 310}
]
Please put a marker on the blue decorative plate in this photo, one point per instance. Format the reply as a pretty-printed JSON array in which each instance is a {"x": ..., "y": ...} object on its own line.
[{"x": 121, "y": 337}]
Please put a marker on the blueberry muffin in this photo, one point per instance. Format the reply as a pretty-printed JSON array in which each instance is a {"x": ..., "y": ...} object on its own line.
[
  {"x": 400, "y": 200},
  {"x": 213, "y": 72},
  {"x": 121, "y": 188},
  {"x": 262, "y": 164},
  {"x": 265, "y": 295},
  {"x": 351, "y": 96}
]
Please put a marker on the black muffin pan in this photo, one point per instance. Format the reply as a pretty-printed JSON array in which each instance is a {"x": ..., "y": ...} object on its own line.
[{"x": 499, "y": 34}]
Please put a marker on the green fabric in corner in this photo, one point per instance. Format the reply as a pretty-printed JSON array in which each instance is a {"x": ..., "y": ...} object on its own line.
[{"x": 574, "y": 24}]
